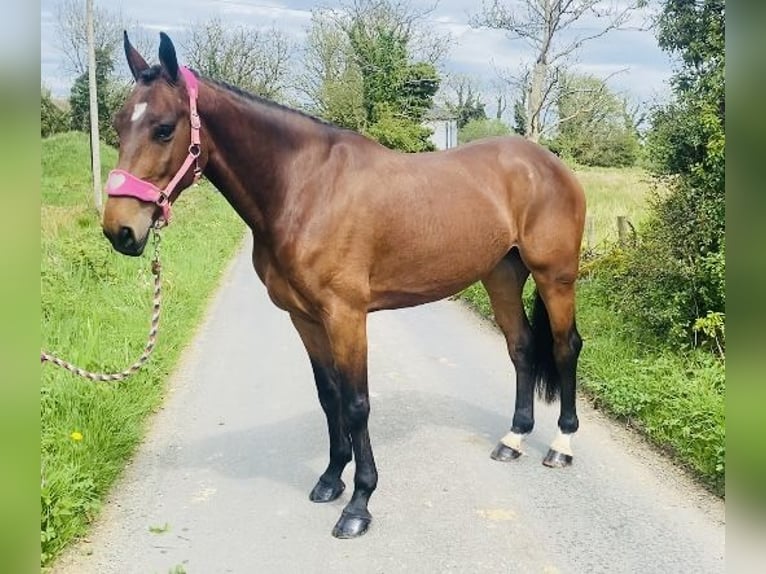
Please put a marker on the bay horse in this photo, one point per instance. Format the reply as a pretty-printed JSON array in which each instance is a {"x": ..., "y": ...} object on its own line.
[{"x": 343, "y": 226}]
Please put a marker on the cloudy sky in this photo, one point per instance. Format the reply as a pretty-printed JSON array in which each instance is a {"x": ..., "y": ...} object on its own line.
[{"x": 643, "y": 68}]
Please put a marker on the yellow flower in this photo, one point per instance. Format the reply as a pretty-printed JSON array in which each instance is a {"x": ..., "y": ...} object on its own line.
[{"x": 76, "y": 436}]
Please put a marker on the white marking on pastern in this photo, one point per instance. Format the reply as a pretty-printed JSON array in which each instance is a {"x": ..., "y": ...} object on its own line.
[
  {"x": 513, "y": 440},
  {"x": 562, "y": 443}
]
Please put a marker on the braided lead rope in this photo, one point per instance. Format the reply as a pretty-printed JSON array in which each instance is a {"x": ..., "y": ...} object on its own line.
[{"x": 105, "y": 377}]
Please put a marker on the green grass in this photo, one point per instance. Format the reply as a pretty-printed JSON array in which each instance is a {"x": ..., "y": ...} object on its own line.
[
  {"x": 611, "y": 192},
  {"x": 676, "y": 400},
  {"x": 95, "y": 312}
]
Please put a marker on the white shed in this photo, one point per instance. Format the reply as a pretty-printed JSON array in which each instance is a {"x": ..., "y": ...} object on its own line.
[{"x": 443, "y": 124}]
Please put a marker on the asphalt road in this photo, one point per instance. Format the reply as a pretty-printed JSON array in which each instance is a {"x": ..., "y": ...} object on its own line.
[{"x": 221, "y": 482}]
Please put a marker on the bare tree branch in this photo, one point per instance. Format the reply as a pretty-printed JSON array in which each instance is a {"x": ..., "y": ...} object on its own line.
[
  {"x": 549, "y": 28},
  {"x": 108, "y": 26},
  {"x": 251, "y": 59}
]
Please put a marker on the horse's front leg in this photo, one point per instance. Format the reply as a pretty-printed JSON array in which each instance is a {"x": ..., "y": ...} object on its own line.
[
  {"x": 347, "y": 330},
  {"x": 314, "y": 337}
]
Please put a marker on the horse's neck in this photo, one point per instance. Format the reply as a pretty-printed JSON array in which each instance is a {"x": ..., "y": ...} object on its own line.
[{"x": 251, "y": 146}]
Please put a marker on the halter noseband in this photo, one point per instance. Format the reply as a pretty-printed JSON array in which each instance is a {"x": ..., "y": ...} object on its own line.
[{"x": 123, "y": 184}]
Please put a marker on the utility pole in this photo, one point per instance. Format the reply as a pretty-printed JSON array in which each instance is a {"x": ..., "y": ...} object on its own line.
[{"x": 95, "y": 147}]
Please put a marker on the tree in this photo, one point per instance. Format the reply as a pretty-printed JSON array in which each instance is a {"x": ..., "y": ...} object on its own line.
[
  {"x": 674, "y": 279},
  {"x": 53, "y": 119},
  {"x": 331, "y": 80},
  {"x": 361, "y": 70},
  {"x": 519, "y": 116},
  {"x": 688, "y": 141},
  {"x": 398, "y": 132},
  {"x": 463, "y": 99},
  {"x": 500, "y": 97},
  {"x": 72, "y": 37},
  {"x": 251, "y": 59},
  {"x": 109, "y": 99},
  {"x": 380, "y": 35},
  {"x": 551, "y": 28},
  {"x": 688, "y": 137},
  {"x": 108, "y": 25},
  {"x": 420, "y": 82},
  {"x": 596, "y": 127},
  {"x": 112, "y": 87}
]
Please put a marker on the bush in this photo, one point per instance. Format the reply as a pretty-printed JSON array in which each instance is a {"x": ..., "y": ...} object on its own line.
[
  {"x": 597, "y": 128},
  {"x": 110, "y": 95},
  {"x": 397, "y": 131},
  {"x": 477, "y": 129},
  {"x": 665, "y": 287},
  {"x": 53, "y": 119},
  {"x": 606, "y": 147},
  {"x": 672, "y": 280}
]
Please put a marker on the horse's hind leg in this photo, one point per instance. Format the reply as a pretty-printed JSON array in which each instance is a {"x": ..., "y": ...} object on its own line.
[
  {"x": 504, "y": 286},
  {"x": 558, "y": 295},
  {"x": 329, "y": 486}
]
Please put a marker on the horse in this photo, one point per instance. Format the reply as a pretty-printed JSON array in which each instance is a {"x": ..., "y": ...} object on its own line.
[{"x": 343, "y": 226}]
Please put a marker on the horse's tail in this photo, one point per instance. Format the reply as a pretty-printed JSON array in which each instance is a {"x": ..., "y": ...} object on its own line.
[{"x": 545, "y": 374}]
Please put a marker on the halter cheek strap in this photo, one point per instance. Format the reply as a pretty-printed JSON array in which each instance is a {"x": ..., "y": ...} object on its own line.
[{"x": 123, "y": 184}]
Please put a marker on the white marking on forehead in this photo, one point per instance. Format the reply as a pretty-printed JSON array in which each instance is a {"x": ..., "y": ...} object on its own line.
[{"x": 138, "y": 111}]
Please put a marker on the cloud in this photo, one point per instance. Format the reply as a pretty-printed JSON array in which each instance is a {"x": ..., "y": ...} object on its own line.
[
  {"x": 168, "y": 28},
  {"x": 477, "y": 52},
  {"x": 268, "y": 10}
]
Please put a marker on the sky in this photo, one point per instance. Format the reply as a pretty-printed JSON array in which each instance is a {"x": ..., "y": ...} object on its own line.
[{"x": 640, "y": 69}]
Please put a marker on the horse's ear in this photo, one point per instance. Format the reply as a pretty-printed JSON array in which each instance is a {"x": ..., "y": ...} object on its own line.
[
  {"x": 136, "y": 62},
  {"x": 168, "y": 57}
]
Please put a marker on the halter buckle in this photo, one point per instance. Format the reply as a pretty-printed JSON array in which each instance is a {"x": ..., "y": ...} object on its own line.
[{"x": 195, "y": 121}]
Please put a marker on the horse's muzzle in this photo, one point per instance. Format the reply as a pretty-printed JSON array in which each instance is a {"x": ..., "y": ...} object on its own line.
[{"x": 125, "y": 241}]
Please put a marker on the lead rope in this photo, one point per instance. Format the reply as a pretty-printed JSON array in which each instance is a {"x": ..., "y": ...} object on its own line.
[{"x": 105, "y": 377}]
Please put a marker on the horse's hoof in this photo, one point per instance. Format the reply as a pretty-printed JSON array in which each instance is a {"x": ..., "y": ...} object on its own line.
[
  {"x": 556, "y": 459},
  {"x": 351, "y": 525},
  {"x": 504, "y": 453},
  {"x": 324, "y": 492}
]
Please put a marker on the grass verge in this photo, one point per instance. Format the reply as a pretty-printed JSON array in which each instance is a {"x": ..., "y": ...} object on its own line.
[
  {"x": 676, "y": 400},
  {"x": 95, "y": 312},
  {"x": 611, "y": 192}
]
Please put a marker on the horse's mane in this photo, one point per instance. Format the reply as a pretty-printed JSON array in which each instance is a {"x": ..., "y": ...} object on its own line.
[{"x": 152, "y": 73}]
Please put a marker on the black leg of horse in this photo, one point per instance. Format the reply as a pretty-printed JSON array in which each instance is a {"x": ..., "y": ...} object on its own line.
[
  {"x": 329, "y": 486},
  {"x": 559, "y": 300},
  {"x": 504, "y": 286},
  {"x": 348, "y": 338}
]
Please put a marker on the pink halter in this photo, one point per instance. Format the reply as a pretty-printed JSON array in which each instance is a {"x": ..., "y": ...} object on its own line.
[{"x": 123, "y": 184}]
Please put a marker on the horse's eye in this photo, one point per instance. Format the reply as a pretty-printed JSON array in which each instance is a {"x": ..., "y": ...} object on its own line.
[{"x": 164, "y": 132}]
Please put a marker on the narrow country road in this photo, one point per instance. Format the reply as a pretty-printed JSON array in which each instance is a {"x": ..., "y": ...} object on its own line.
[{"x": 221, "y": 482}]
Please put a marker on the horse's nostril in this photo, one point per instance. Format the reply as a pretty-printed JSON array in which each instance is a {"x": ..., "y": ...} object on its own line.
[{"x": 125, "y": 237}]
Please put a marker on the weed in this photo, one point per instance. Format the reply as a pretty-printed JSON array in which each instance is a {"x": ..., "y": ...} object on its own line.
[{"x": 160, "y": 529}]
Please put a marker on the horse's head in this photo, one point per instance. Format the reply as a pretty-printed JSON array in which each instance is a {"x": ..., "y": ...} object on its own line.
[{"x": 158, "y": 155}]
